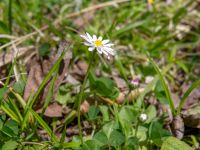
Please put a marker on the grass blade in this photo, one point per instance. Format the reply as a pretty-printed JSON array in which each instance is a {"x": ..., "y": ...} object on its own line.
[
  {"x": 187, "y": 93},
  {"x": 167, "y": 92},
  {"x": 44, "y": 125},
  {"x": 48, "y": 76}
]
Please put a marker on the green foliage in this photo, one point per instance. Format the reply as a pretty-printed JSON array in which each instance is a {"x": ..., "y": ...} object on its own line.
[
  {"x": 44, "y": 49},
  {"x": 103, "y": 86},
  {"x": 19, "y": 86},
  {"x": 136, "y": 30},
  {"x": 157, "y": 134},
  {"x": 173, "y": 143},
  {"x": 10, "y": 145},
  {"x": 93, "y": 113},
  {"x": 64, "y": 96}
]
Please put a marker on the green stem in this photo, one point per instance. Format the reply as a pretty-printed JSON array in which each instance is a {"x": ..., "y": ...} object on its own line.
[
  {"x": 136, "y": 128},
  {"x": 186, "y": 94},
  {"x": 10, "y": 16},
  {"x": 164, "y": 84},
  {"x": 81, "y": 96}
]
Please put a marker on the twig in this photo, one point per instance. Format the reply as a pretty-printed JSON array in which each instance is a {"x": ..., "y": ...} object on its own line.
[
  {"x": 16, "y": 73},
  {"x": 2, "y": 79}
]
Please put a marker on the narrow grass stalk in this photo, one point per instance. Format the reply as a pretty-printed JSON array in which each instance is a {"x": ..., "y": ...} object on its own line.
[
  {"x": 81, "y": 96},
  {"x": 50, "y": 92},
  {"x": 10, "y": 16},
  {"x": 187, "y": 93},
  {"x": 167, "y": 92},
  {"x": 44, "y": 125},
  {"x": 47, "y": 77}
]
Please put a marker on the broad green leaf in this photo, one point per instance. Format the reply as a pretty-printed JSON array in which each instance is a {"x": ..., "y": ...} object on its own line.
[
  {"x": 101, "y": 138},
  {"x": 173, "y": 143},
  {"x": 109, "y": 127},
  {"x": 141, "y": 133},
  {"x": 151, "y": 113},
  {"x": 10, "y": 145},
  {"x": 128, "y": 114},
  {"x": 72, "y": 145},
  {"x": 132, "y": 143},
  {"x": 93, "y": 112},
  {"x": 90, "y": 145},
  {"x": 157, "y": 133},
  {"x": 116, "y": 138},
  {"x": 10, "y": 128}
]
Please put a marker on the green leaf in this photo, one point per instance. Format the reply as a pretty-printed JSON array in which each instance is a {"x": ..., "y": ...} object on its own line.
[
  {"x": 151, "y": 113},
  {"x": 101, "y": 138},
  {"x": 173, "y": 143},
  {"x": 160, "y": 93},
  {"x": 10, "y": 128},
  {"x": 105, "y": 113},
  {"x": 10, "y": 145},
  {"x": 132, "y": 143},
  {"x": 157, "y": 134},
  {"x": 3, "y": 92},
  {"x": 103, "y": 86},
  {"x": 109, "y": 127},
  {"x": 93, "y": 112},
  {"x": 44, "y": 49},
  {"x": 19, "y": 86},
  {"x": 128, "y": 114},
  {"x": 90, "y": 145},
  {"x": 72, "y": 145},
  {"x": 116, "y": 138},
  {"x": 141, "y": 133}
]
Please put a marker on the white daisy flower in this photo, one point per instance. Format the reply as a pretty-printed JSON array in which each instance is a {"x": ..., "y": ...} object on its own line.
[{"x": 102, "y": 46}]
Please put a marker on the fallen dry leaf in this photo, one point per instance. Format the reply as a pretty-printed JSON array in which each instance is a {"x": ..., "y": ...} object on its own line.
[
  {"x": 53, "y": 110},
  {"x": 39, "y": 69}
]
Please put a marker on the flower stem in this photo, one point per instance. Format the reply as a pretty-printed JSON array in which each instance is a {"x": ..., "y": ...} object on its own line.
[{"x": 81, "y": 96}]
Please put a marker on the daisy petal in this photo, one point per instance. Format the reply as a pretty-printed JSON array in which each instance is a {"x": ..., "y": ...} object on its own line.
[
  {"x": 89, "y": 36},
  {"x": 88, "y": 44},
  {"x": 100, "y": 38},
  {"x": 104, "y": 51},
  {"x": 105, "y": 41},
  {"x": 99, "y": 49},
  {"x": 109, "y": 50},
  {"x": 94, "y": 37},
  {"x": 91, "y": 48},
  {"x": 85, "y": 38},
  {"x": 109, "y": 45}
]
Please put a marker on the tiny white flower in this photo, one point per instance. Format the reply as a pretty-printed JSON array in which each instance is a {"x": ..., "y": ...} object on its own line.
[
  {"x": 102, "y": 46},
  {"x": 143, "y": 117}
]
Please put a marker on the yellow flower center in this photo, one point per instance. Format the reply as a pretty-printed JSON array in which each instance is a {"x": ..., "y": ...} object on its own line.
[
  {"x": 98, "y": 43},
  {"x": 150, "y": 1}
]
